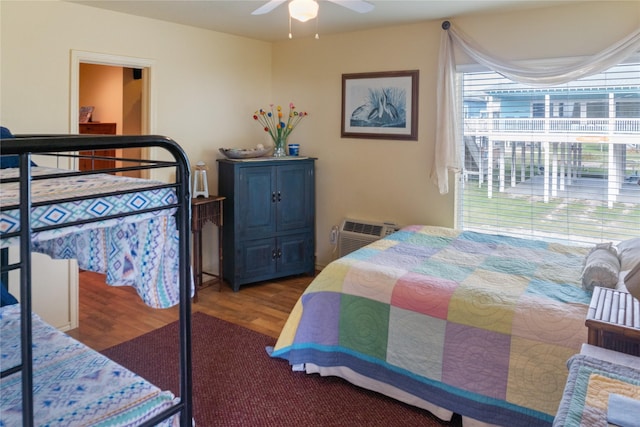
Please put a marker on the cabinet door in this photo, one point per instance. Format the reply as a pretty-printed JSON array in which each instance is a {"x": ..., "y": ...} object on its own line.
[
  {"x": 257, "y": 258},
  {"x": 295, "y": 254},
  {"x": 257, "y": 202},
  {"x": 295, "y": 204},
  {"x": 264, "y": 258}
]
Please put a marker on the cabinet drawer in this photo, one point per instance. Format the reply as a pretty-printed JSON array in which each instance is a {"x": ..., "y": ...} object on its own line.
[{"x": 97, "y": 128}]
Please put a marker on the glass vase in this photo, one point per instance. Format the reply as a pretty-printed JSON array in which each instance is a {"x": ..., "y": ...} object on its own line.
[{"x": 279, "y": 148}]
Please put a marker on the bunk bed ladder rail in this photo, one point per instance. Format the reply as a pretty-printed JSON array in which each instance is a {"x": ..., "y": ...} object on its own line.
[
  {"x": 183, "y": 217},
  {"x": 25, "y": 289},
  {"x": 24, "y": 265},
  {"x": 185, "y": 407}
]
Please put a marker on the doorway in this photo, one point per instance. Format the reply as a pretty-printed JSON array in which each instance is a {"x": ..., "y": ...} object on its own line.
[
  {"x": 124, "y": 93},
  {"x": 110, "y": 104},
  {"x": 145, "y": 125}
]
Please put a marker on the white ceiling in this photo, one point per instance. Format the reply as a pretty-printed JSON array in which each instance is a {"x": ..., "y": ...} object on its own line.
[{"x": 234, "y": 17}]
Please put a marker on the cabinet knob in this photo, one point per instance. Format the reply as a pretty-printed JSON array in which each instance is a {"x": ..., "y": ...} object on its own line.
[
  {"x": 279, "y": 196},
  {"x": 274, "y": 254},
  {"x": 273, "y": 197}
]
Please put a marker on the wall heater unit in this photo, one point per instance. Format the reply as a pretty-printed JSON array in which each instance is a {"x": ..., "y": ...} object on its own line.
[{"x": 355, "y": 234}]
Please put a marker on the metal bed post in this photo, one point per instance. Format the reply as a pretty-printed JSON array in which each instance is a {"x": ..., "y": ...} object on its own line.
[
  {"x": 25, "y": 289},
  {"x": 184, "y": 221},
  {"x": 48, "y": 144}
]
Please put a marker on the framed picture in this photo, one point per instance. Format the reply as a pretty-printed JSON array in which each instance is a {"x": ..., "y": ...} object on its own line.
[
  {"x": 85, "y": 114},
  {"x": 380, "y": 105}
]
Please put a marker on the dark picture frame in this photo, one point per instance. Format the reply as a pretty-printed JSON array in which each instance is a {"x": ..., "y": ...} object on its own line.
[{"x": 380, "y": 105}]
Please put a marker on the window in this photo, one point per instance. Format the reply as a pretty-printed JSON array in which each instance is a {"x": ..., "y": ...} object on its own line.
[{"x": 559, "y": 162}]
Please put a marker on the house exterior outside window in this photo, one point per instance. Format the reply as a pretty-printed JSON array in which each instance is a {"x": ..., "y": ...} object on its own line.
[{"x": 560, "y": 162}]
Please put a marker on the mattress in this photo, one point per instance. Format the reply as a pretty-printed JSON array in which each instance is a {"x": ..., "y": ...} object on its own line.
[
  {"x": 73, "y": 384},
  {"x": 138, "y": 250},
  {"x": 476, "y": 324},
  {"x": 136, "y": 199}
]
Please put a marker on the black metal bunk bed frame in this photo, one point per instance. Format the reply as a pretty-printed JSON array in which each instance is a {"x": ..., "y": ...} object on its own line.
[{"x": 67, "y": 146}]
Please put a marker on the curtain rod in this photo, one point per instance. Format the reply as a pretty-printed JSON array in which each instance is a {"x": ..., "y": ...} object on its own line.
[{"x": 446, "y": 25}]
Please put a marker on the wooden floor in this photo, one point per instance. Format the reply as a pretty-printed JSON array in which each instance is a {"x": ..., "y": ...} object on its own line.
[{"x": 111, "y": 315}]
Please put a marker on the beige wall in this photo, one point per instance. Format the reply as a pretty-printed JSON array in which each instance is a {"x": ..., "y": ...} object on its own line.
[
  {"x": 389, "y": 180},
  {"x": 208, "y": 84},
  {"x": 131, "y": 105}
]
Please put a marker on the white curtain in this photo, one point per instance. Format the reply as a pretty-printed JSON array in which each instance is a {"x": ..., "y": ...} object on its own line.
[{"x": 446, "y": 156}]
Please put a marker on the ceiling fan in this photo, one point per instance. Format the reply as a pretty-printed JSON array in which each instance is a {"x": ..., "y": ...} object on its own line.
[{"x": 303, "y": 10}]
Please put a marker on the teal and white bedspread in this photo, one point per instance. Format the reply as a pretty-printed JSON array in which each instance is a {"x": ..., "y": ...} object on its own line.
[
  {"x": 480, "y": 325},
  {"x": 139, "y": 250},
  {"x": 73, "y": 384}
]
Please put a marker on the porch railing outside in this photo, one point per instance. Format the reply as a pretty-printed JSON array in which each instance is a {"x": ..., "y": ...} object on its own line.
[
  {"x": 604, "y": 126},
  {"x": 549, "y": 142},
  {"x": 547, "y": 158}
]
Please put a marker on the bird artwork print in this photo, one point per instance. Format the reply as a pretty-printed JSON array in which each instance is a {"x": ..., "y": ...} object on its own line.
[{"x": 383, "y": 107}]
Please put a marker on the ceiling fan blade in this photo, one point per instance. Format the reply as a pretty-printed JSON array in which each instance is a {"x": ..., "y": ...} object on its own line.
[
  {"x": 267, "y": 7},
  {"x": 359, "y": 6}
]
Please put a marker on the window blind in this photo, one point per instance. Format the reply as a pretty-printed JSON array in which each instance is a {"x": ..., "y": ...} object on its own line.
[{"x": 559, "y": 163}]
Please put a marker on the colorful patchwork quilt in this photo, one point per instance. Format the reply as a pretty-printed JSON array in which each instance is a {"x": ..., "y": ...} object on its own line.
[
  {"x": 140, "y": 250},
  {"x": 481, "y": 325},
  {"x": 591, "y": 382},
  {"x": 73, "y": 384}
]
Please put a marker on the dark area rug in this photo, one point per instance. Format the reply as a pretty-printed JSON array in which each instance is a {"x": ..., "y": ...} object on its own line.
[{"x": 235, "y": 382}]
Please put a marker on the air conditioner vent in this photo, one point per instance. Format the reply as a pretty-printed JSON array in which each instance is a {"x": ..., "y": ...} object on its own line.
[
  {"x": 355, "y": 234},
  {"x": 362, "y": 228}
]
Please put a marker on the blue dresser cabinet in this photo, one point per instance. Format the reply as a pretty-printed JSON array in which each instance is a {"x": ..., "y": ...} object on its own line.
[{"x": 269, "y": 218}]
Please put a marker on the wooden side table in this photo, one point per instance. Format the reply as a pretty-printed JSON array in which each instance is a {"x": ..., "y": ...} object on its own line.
[
  {"x": 205, "y": 209},
  {"x": 613, "y": 320}
]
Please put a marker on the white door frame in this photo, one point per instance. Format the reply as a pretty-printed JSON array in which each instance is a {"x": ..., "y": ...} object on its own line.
[
  {"x": 148, "y": 126},
  {"x": 148, "y": 105}
]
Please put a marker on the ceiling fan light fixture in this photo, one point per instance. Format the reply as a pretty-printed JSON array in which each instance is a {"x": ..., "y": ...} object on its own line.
[{"x": 303, "y": 10}]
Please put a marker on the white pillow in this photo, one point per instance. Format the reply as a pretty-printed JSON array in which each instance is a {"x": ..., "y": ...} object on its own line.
[
  {"x": 632, "y": 281},
  {"x": 601, "y": 267},
  {"x": 628, "y": 253}
]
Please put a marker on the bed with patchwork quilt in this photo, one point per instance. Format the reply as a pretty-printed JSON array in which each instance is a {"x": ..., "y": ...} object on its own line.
[{"x": 450, "y": 321}]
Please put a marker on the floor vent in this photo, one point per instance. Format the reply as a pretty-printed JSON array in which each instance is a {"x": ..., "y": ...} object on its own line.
[{"x": 355, "y": 234}]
